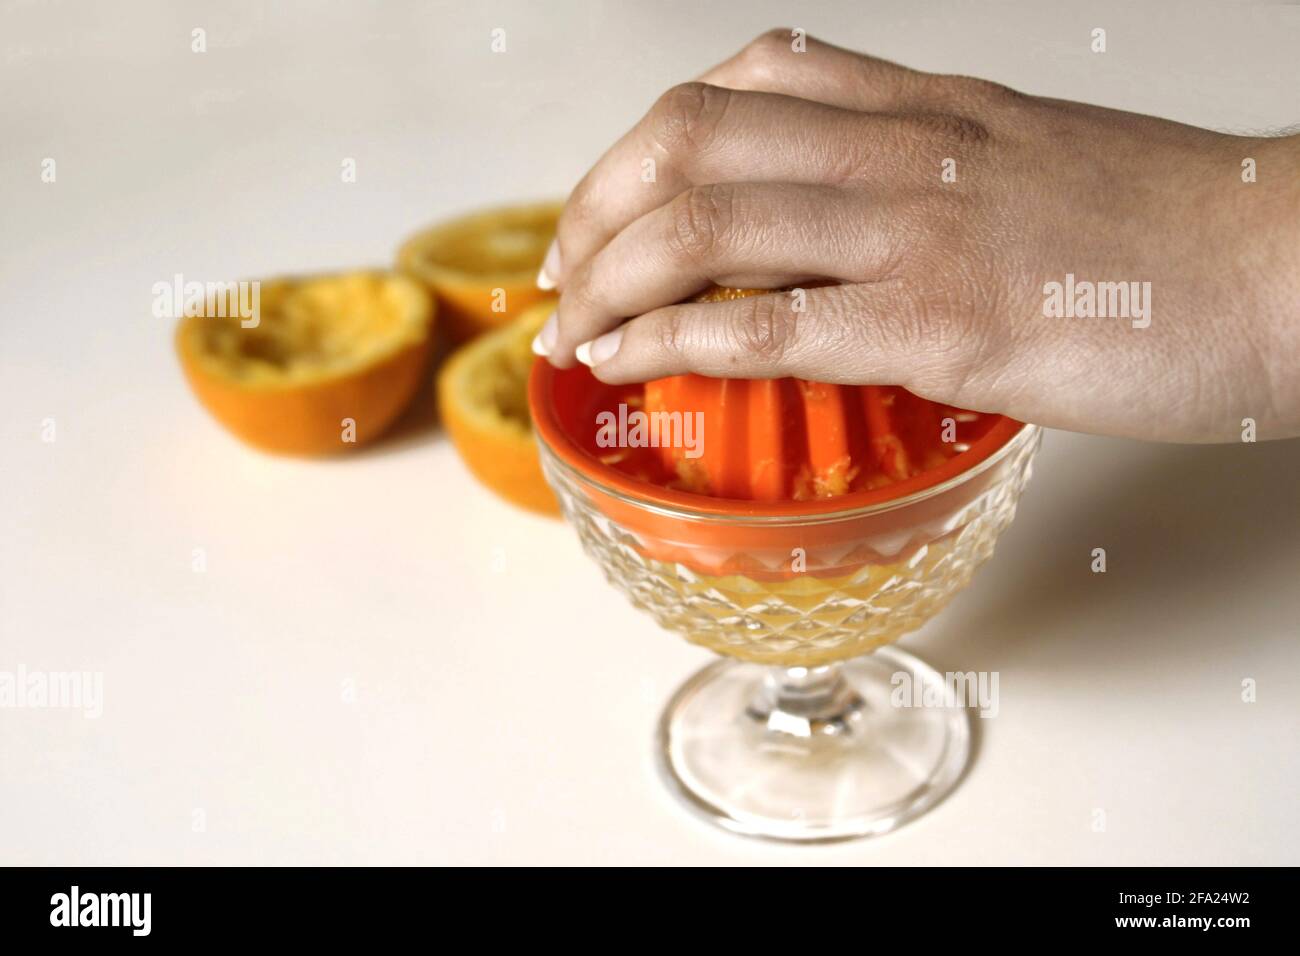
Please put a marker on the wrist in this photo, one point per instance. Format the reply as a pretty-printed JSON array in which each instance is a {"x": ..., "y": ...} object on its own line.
[{"x": 1273, "y": 243}]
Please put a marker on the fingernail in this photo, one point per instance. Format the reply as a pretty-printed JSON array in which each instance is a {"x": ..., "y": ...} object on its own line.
[
  {"x": 544, "y": 341},
  {"x": 550, "y": 267},
  {"x": 600, "y": 350}
]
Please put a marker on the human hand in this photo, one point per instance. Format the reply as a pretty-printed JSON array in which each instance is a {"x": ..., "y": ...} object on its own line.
[{"x": 945, "y": 208}]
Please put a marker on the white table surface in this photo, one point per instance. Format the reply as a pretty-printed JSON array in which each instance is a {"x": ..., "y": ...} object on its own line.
[{"x": 505, "y": 714}]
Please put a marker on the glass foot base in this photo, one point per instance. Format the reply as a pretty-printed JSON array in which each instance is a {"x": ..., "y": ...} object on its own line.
[{"x": 813, "y": 754}]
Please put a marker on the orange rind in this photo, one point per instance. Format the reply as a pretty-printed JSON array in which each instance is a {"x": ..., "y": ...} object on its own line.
[
  {"x": 482, "y": 394},
  {"x": 483, "y": 267},
  {"x": 329, "y": 364}
]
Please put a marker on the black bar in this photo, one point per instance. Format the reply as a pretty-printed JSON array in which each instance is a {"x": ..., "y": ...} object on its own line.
[{"x": 941, "y": 905}]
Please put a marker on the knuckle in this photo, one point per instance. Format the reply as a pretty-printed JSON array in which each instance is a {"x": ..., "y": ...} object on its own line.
[
  {"x": 917, "y": 328},
  {"x": 967, "y": 92},
  {"x": 840, "y": 312},
  {"x": 760, "y": 53},
  {"x": 940, "y": 324},
  {"x": 687, "y": 116},
  {"x": 581, "y": 295},
  {"x": 943, "y": 87},
  {"x": 670, "y": 332},
  {"x": 990, "y": 91},
  {"x": 580, "y": 207},
  {"x": 950, "y": 128},
  {"x": 765, "y": 327},
  {"x": 702, "y": 220},
  {"x": 907, "y": 138},
  {"x": 940, "y": 218}
]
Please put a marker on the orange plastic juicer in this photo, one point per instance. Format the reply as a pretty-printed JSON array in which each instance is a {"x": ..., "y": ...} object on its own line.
[
  {"x": 793, "y": 440},
  {"x": 798, "y": 529},
  {"x": 775, "y": 460}
]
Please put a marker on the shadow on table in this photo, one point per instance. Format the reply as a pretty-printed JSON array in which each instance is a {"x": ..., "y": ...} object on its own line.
[
  {"x": 1190, "y": 531},
  {"x": 420, "y": 423}
]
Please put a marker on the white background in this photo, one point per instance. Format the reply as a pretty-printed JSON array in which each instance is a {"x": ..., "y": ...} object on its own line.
[{"x": 506, "y": 715}]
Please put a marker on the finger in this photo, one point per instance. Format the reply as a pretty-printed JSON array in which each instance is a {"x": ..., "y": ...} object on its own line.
[
  {"x": 781, "y": 61},
  {"x": 750, "y": 235},
  {"x": 881, "y": 333},
  {"x": 698, "y": 134}
]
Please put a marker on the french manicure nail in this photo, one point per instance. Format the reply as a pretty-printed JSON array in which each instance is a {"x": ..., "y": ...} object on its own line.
[
  {"x": 546, "y": 278},
  {"x": 544, "y": 341},
  {"x": 600, "y": 350}
]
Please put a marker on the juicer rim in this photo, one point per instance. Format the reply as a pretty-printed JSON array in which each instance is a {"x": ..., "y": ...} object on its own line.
[{"x": 744, "y": 512}]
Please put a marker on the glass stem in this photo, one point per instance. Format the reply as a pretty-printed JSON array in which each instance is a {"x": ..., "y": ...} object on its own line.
[{"x": 806, "y": 701}]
